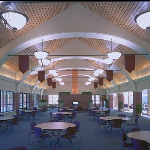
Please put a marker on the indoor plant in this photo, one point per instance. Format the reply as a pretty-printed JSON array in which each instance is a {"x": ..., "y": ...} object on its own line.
[
  {"x": 121, "y": 105},
  {"x": 139, "y": 109},
  {"x": 106, "y": 103},
  {"x": 42, "y": 102},
  {"x": 60, "y": 101},
  {"x": 90, "y": 103}
]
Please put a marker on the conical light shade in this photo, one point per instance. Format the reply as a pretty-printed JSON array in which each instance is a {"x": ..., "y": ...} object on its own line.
[
  {"x": 108, "y": 61},
  {"x": 45, "y": 62},
  {"x": 41, "y": 54},
  {"x": 114, "y": 55}
]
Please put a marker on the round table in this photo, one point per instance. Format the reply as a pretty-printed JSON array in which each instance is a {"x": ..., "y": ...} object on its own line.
[
  {"x": 64, "y": 113},
  {"x": 110, "y": 118},
  {"x": 5, "y": 118},
  {"x": 140, "y": 135},
  {"x": 55, "y": 125}
]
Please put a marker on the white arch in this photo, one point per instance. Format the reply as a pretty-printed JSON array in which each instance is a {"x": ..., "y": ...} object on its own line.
[
  {"x": 37, "y": 40},
  {"x": 73, "y": 57}
]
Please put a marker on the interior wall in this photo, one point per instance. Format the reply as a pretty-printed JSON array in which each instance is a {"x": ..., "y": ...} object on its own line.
[
  {"x": 82, "y": 99},
  {"x": 7, "y": 85}
]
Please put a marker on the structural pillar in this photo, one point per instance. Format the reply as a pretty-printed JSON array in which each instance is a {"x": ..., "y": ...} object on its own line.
[
  {"x": 16, "y": 101},
  {"x": 137, "y": 99},
  {"x": 110, "y": 102},
  {"x": 31, "y": 100}
]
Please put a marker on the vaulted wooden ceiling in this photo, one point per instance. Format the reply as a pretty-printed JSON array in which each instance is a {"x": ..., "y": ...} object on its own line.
[{"x": 119, "y": 13}]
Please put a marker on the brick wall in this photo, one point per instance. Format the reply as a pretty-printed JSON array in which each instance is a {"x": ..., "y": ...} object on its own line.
[
  {"x": 137, "y": 99},
  {"x": 82, "y": 99},
  {"x": 16, "y": 101},
  {"x": 110, "y": 101},
  {"x": 45, "y": 97}
]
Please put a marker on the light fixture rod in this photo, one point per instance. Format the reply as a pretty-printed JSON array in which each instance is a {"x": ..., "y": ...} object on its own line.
[{"x": 79, "y": 55}]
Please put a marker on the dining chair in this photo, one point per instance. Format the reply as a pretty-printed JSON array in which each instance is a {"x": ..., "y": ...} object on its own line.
[
  {"x": 60, "y": 116},
  {"x": 72, "y": 116},
  {"x": 2, "y": 123},
  {"x": 135, "y": 129},
  {"x": 139, "y": 144},
  {"x": 123, "y": 121},
  {"x": 32, "y": 131},
  {"x": 23, "y": 114},
  {"x": 14, "y": 122},
  {"x": 100, "y": 122},
  {"x": 51, "y": 115},
  {"x": 18, "y": 148},
  {"x": 77, "y": 123},
  {"x": 124, "y": 139},
  {"x": 116, "y": 123},
  {"x": 41, "y": 136},
  {"x": 135, "y": 124},
  {"x": 71, "y": 134}
]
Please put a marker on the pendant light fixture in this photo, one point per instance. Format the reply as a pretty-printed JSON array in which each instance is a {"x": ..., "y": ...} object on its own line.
[
  {"x": 40, "y": 55},
  {"x": 10, "y": 18},
  {"x": 113, "y": 55}
]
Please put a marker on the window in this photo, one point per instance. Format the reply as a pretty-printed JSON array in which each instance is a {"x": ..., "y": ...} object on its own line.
[
  {"x": 21, "y": 101},
  {"x": 96, "y": 100},
  {"x": 24, "y": 100},
  {"x": 52, "y": 99},
  {"x": 6, "y": 98}
]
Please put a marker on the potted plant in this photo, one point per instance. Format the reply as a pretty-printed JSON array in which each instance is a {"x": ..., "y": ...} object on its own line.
[
  {"x": 139, "y": 109},
  {"x": 60, "y": 101},
  {"x": 90, "y": 103},
  {"x": 121, "y": 106},
  {"x": 105, "y": 103},
  {"x": 42, "y": 102}
]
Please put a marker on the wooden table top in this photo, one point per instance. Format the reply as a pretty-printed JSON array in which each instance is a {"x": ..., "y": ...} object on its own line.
[
  {"x": 28, "y": 111},
  {"x": 140, "y": 135},
  {"x": 100, "y": 110},
  {"x": 55, "y": 125},
  {"x": 4, "y": 118},
  {"x": 110, "y": 118},
  {"x": 64, "y": 113}
]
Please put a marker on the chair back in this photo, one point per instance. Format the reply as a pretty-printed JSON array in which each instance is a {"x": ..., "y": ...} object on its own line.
[
  {"x": 50, "y": 113},
  {"x": 123, "y": 135},
  {"x": 15, "y": 120},
  {"x": 77, "y": 123},
  {"x": 117, "y": 122},
  {"x": 71, "y": 131},
  {"x": 64, "y": 110},
  {"x": 92, "y": 112},
  {"x": 139, "y": 144},
  {"x": 54, "y": 120},
  {"x": 32, "y": 125},
  {"x": 121, "y": 115},
  {"x": 135, "y": 129},
  {"x": 22, "y": 112},
  {"x": 38, "y": 131},
  {"x": 1, "y": 115},
  {"x": 59, "y": 115}
]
